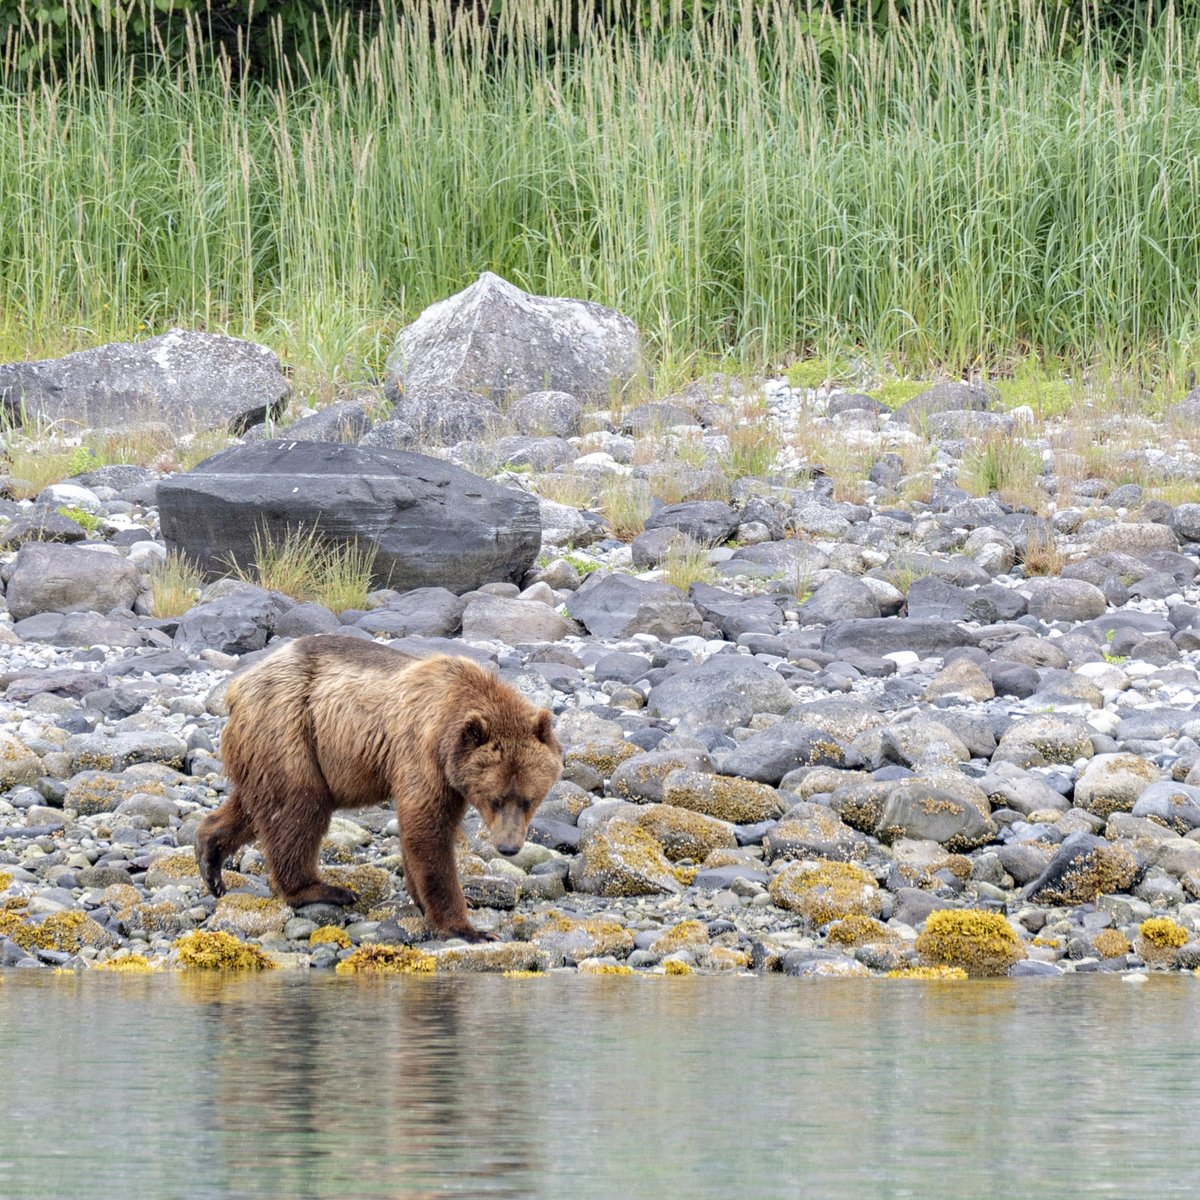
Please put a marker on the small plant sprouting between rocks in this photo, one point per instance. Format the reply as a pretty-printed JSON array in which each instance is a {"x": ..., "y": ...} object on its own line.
[
  {"x": 625, "y": 502},
  {"x": 175, "y": 585},
  {"x": 1042, "y": 556},
  {"x": 304, "y": 565},
  {"x": 1003, "y": 466},
  {"x": 684, "y": 565},
  {"x": 85, "y": 520}
]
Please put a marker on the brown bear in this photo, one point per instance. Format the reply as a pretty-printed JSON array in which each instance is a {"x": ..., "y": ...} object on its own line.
[{"x": 331, "y": 722}]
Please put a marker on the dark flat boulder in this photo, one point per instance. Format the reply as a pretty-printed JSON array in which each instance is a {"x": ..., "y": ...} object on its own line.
[{"x": 431, "y": 524}]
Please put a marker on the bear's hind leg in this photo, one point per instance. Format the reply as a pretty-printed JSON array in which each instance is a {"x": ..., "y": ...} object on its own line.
[
  {"x": 292, "y": 845},
  {"x": 220, "y": 834}
]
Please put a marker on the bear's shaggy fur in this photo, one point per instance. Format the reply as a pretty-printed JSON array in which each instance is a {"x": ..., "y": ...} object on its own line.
[{"x": 333, "y": 722}]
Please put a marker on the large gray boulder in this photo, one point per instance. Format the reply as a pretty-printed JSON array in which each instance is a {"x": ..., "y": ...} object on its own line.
[
  {"x": 431, "y": 524},
  {"x": 51, "y": 577},
  {"x": 238, "y": 623},
  {"x": 618, "y": 606},
  {"x": 194, "y": 380},
  {"x": 496, "y": 340}
]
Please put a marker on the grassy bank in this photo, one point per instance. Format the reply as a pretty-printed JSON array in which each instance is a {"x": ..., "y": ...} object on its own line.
[{"x": 949, "y": 194}]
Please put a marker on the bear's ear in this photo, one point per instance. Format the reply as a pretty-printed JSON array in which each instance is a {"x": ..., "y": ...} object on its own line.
[
  {"x": 474, "y": 732},
  {"x": 543, "y": 728}
]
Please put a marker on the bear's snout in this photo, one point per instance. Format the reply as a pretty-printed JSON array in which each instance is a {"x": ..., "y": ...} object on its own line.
[{"x": 507, "y": 830}]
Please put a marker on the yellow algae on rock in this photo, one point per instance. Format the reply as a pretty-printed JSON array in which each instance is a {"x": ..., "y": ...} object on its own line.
[
  {"x": 330, "y": 934},
  {"x": 726, "y": 797},
  {"x": 982, "y": 943},
  {"x": 591, "y": 937},
  {"x": 372, "y": 885},
  {"x": 939, "y": 972},
  {"x": 860, "y": 930},
  {"x": 67, "y": 932},
  {"x": 826, "y": 891},
  {"x": 684, "y": 833},
  {"x": 379, "y": 958},
  {"x": 1111, "y": 943},
  {"x": 249, "y": 916},
  {"x": 1158, "y": 939},
  {"x": 204, "y": 950},
  {"x": 594, "y": 966},
  {"x": 492, "y": 956},
  {"x": 687, "y": 935},
  {"x": 128, "y": 964},
  {"x": 622, "y": 859}
]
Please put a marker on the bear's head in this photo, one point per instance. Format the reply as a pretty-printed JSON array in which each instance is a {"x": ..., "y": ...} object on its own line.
[{"x": 503, "y": 763}]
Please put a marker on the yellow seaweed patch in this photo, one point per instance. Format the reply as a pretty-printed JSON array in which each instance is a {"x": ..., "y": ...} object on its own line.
[
  {"x": 982, "y": 943},
  {"x": 378, "y": 958},
  {"x": 204, "y": 950}
]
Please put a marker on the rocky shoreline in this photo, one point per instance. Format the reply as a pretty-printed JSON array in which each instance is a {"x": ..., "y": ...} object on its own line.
[{"x": 862, "y": 713}]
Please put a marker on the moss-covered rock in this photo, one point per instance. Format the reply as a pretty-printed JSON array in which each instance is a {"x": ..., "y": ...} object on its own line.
[
  {"x": 601, "y": 757},
  {"x": 860, "y": 931},
  {"x": 155, "y": 917},
  {"x": 687, "y": 935},
  {"x": 565, "y": 939},
  {"x": 814, "y": 831},
  {"x": 860, "y": 805},
  {"x": 725, "y": 958},
  {"x": 250, "y": 916},
  {"x": 1158, "y": 940},
  {"x": 683, "y": 833},
  {"x": 622, "y": 859},
  {"x": 826, "y": 891},
  {"x": 67, "y": 932},
  {"x": 206, "y": 950},
  {"x": 930, "y": 973},
  {"x": 1045, "y": 739},
  {"x": 1085, "y": 867},
  {"x": 378, "y": 958},
  {"x": 981, "y": 943},
  {"x": 601, "y": 966},
  {"x": 127, "y": 964},
  {"x": 493, "y": 957},
  {"x": 330, "y": 935},
  {"x": 1113, "y": 782},
  {"x": 1111, "y": 943},
  {"x": 641, "y": 777},
  {"x": 92, "y": 792},
  {"x": 923, "y": 812},
  {"x": 740, "y": 801},
  {"x": 371, "y": 885},
  {"x": 19, "y": 766},
  {"x": 181, "y": 867}
]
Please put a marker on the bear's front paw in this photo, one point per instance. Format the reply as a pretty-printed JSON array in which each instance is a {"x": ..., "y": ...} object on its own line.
[{"x": 476, "y": 935}]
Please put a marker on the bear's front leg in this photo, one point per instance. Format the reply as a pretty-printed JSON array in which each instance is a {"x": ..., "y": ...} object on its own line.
[{"x": 431, "y": 877}]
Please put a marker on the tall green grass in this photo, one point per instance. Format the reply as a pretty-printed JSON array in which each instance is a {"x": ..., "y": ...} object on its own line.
[{"x": 950, "y": 191}]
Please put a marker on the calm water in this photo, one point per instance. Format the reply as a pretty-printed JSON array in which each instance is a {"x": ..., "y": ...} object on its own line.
[{"x": 296, "y": 1086}]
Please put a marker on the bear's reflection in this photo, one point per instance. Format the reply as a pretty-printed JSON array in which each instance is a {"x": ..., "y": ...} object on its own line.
[{"x": 396, "y": 1087}]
